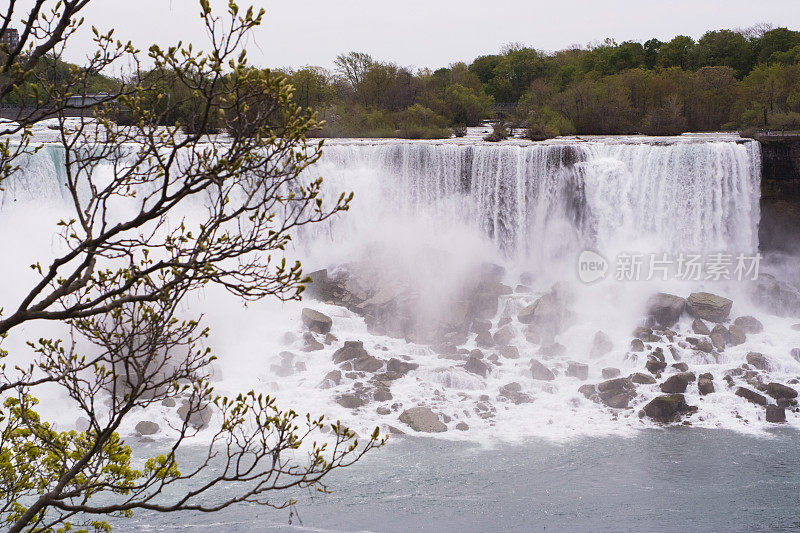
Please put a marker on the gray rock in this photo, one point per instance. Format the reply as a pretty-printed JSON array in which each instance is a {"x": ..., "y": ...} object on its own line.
[
  {"x": 668, "y": 408},
  {"x": 382, "y": 394},
  {"x": 641, "y": 379},
  {"x": 169, "y": 402},
  {"x": 351, "y": 401},
  {"x": 462, "y": 426},
  {"x": 476, "y": 366},
  {"x": 383, "y": 410},
  {"x": 705, "y": 385},
  {"x": 504, "y": 335},
  {"x": 146, "y": 427},
  {"x": 400, "y": 368},
  {"x": 681, "y": 367},
  {"x": 552, "y": 350},
  {"x": 708, "y": 306},
  {"x": 736, "y": 335},
  {"x": 749, "y": 324},
  {"x": 509, "y": 352},
  {"x": 645, "y": 334},
  {"x": 316, "y": 321},
  {"x": 484, "y": 339},
  {"x": 778, "y": 390},
  {"x": 677, "y": 383},
  {"x": 637, "y": 345},
  {"x": 719, "y": 337},
  {"x": 589, "y": 391},
  {"x": 665, "y": 308},
  {"x": 310, "y": 344},
  {"x": 616, "y": 393},
  {"x": 578, "y": 370},
  {"x": 775, "y": 414},
  {"x": 601, "y": 345},
  {"x": 422, "y": 419},
  {"x": 654, "y": 365},
  {"x": 541, "y": 372},
  {"x": 610, "y": 372},
  {"x": 759, "y": 361},
  {"x": 334, "y": 376},
  {"x": 480, "y": 326},
  {"x": 699, "y": 327},
  {"x": 751, "y": 396},
  {"x": 513, "y": 391},
  {"x": 350, "y": 350},
  {"x": 199, "y": 418}
]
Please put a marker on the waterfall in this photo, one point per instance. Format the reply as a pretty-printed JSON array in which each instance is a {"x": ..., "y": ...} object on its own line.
[{"x": 547, "y": 200}]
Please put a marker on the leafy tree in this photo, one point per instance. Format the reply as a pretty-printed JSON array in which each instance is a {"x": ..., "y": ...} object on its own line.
[
  {"x": 677, "y": 52},
  {"x": 724, "y": 48},
  {"x": 120, "y": 281},
  {"x": 776, "y": 41}
]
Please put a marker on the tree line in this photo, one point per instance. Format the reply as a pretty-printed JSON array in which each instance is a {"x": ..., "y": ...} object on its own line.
[{"x": 726, "y": 80}]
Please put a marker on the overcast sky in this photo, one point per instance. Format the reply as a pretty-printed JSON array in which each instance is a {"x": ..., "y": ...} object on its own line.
[{"x": 432, "y": 33}]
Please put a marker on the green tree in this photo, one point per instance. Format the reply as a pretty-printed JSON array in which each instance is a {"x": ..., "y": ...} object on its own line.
[{"x": 677, "y": 52}]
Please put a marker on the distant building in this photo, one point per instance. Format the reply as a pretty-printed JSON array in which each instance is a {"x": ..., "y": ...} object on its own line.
[
  {"x": 87, "y": 100},
  {"x": 10, "y": 37}
]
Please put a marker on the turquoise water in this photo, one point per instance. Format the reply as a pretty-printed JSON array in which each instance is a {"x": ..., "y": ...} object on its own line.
[{"x": 677, "y": 479}]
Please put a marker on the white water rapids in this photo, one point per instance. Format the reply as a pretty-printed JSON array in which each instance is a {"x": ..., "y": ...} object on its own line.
[{"x": 531, "y": 207}]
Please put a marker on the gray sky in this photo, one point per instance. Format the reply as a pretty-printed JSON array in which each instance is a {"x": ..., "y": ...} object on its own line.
[{"x": 432, "y": 33}]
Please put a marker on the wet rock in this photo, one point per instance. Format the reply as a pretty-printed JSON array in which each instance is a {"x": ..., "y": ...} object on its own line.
[
  {"x": 777, "y": 297},
  {"x": 316, "y": 321},
  {"x": 759, "y": 361},
  {"x": 541, "y": 372},
  {"x": 749, "y": 324},
  {"x": 513, "y": 391},
  {"x": 616, "y": 393},
  {"x": 601, "y": 345},
  {"x": 383, "y": 411},
  {"x": 351, "y": 401},
  {"x": 736, "y": 335},
  {"x": 668, "y": 408},
  {"x": 775, "y": 414},
  {"x": 350, "y": 350},
  {"x": 199, "y": 417},
  {"x": 382, "y": 394},
  {"x": 708, "y": 306},
  {"x": 334, "y": 376},
  {"x": 645, "y": 334},
  {"x": 509, "y": 352},
  {"x": 666, "y": 309},
  {"x": 476, "y": 366},
  {"x": 366, "y": 364},
  {"x": 547, "y": 316},
  {"x": 310, "y": 344},
  {"x": 637, "y": 345},
  {"x": 699, "y": 327},
  {"x": 396, "y": 368},
  {"x": 719, "y": 337},
  {"x": 146, "y": 427},
  {"x": 751, "y": 396},
  {"x": 795, "y": 353},
  {"x": 504, "y": 335},
  {"x": 169, "y": 402},
  {"x": 610, "y": 372},
  {"x": 330, "y": 338},
  {"x": 655, "y": 366},
  {"x": 462, "y": 426},
  {"x": 705, "y": 385},
  {"x": 422, "y": 419},
  {"x": 552, "y": 350},
  {"x": 589, "y": 391},
  {"x": 641, "y": 379},
  {"x": 778, "y": 390},
  {"x": 677, "y": 383},
  {"x": 681, "y": 367},
  {"x": 480, "y": 326},
  {"x": 484, "y": 339},
  {"x": 454, "y": 338},
  {"x": 578, "y": 370}
]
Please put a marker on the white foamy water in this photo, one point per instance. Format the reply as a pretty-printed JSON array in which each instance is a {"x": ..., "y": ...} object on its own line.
[{"x": 531, "y": 207}]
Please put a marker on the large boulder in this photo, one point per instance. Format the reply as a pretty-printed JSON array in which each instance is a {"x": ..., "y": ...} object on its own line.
[
  {"x": 351, "y": 401},
  {"x": 504, "y": 335},
  {"x": 578, "y": 370},
  {"x": 476, "y": 366},
  {"x": 759, "y": 361},
  {"x": 541, "y": 372},
  {"x": 668, "y": 408},
  {"x": 199, "y": 417},
  {"x": 547, "y": 315},
  {"x": 736, "y": 335},
  {"x": 146, "y": 427},
  {"x": 616, "y": 393},
  {"x": 705, "y": 385},
  {"x": 749, "y": 324},
  {"x": 677, "y": 383},
  {"x": 708, "y": 306},
  {"x": 396, "y": 368},
  {"x": 422, "y": 419},
  {"x": 513, "y": 391},
  {"x": 641, "y": 379},
  {"x": 601, "y": 344},
  {"x": 775, "y": 414},
  {"x": 610, "y": 372},
  {"x": 751, "y": 396},
  {"x": 350, "y": 350},
  {"x": 316, "y": 321},
  {"x": 778, "y": 390},
  {"x": 700, "y": 328},
  {"x": 665, "y": 308},
  {"x": 777, "y": 297}
]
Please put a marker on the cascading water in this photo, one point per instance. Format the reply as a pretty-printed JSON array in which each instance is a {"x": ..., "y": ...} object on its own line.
[{"x": 439, "y": 206}]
